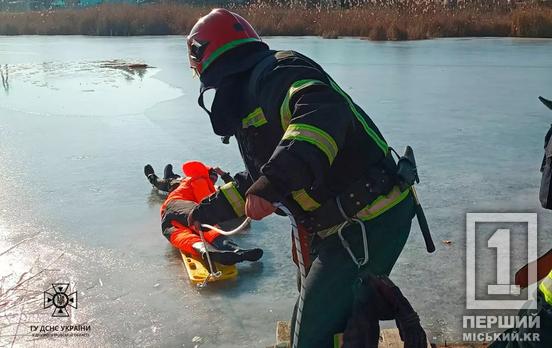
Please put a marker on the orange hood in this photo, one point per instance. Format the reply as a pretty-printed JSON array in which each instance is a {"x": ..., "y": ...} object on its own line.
[{"x": 195, "y": 169}]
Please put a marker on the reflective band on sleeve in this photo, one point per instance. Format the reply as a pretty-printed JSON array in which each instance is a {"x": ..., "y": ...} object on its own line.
[
  {"x": 379, "y": 141},
  {"x": 546, "y": 288},
  {"x": 382, "y": 204},
  {"x": 306, "y": 202},
  {"x": 255, "y": 119},
  {"x": 313, "y": 135},
  {"x": 285, "y": 111},
  {"x": 234, "y": 198}
]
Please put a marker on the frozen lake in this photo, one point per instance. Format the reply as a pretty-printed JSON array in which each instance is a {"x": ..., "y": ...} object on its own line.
[{"x": 75, "y": 133}]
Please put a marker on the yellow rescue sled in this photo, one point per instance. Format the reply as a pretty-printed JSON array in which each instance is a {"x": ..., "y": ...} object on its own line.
[{"x": 198, "y": 271}]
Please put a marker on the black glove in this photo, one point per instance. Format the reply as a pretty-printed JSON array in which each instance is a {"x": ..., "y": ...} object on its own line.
[
  {"x": 377, "y": 298},
  {"x": 408, "y": 321},
  {"x": 226, "y": 177},
  {"x": 363, "y": 328},
  {"x": 196, "y": 218}
]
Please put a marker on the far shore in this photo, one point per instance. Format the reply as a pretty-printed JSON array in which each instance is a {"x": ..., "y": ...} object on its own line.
[{"x": 408, "y": 22}]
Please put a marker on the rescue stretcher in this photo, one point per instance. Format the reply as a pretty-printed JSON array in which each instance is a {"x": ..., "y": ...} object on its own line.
[{"x": 198, "y": 272}]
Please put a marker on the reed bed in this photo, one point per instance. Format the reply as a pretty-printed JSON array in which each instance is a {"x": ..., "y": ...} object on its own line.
[{"x": 406, "y": 20}]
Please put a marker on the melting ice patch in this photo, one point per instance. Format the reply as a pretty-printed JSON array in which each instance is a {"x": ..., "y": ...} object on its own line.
[{"x": 98, "y": 88}]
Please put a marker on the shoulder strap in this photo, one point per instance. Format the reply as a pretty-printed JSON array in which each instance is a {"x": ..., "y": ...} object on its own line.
[
  {"x": 259, "y": 69},
  {"x": 270, "y": 61}
]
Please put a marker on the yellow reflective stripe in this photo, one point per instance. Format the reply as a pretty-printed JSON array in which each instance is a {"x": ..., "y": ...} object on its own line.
[
  {"x": 256, "y": 119},
  {"x": 338, "y": 340},
  {"x": 546, "y": 288},
  {"x": 382, "y": 204},
  {"x": 313, "y": 135},
  {"x": 285, "y": 111},
  {"x": 234, "y": 198},
  {"x": 306, "y": 202}
]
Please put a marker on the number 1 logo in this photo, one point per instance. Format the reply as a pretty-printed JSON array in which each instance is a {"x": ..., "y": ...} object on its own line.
[{"x": 500, "y": 240}]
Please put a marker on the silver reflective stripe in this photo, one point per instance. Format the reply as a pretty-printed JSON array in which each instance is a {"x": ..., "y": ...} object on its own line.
[
  {"x": 373, "y": 210},
  {"x": 382, "y": 204},
  {"x": 313, "y": 135},
  {"x": 328, "y": 231}
]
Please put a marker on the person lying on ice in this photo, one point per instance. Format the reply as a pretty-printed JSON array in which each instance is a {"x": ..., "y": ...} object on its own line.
[
  {"x": 170, "y": 180},
  {"x": 197, "y": 184}
]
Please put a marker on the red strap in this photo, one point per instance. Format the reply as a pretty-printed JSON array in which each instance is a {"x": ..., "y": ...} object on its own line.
[{"x": 305, "y": 240}]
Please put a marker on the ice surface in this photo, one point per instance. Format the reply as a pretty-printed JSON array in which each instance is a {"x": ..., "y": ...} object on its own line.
[{"x": 74, "y": 136}]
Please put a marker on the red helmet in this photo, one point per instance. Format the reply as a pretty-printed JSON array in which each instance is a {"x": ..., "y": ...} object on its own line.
[{"x": 217, "y": 33}]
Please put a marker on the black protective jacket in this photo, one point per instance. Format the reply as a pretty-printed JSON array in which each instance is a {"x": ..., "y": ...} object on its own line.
[{"x": 303, "y": 140}]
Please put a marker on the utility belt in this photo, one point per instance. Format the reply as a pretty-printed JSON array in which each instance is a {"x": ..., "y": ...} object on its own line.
[
  {"x": 383, "y": 187},
  {"x": 357, "y": 199},
  {"x": 369, "y": 196}
]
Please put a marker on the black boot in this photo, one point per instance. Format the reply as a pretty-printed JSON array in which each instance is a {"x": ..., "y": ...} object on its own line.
[
  {"x": 150, "y": 173},
  {"x": 224, "y": 257},
  {"x": 168, "y": 172},
  {"x": 224, "y": 243},
  {"x": 546, "y": 102},
  {"x": 148, "y": 170}
]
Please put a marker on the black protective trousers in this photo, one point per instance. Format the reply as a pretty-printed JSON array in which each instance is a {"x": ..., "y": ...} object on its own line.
[
  {"x": 166, "y": 184},
  {"x": 329, "y": 283}
]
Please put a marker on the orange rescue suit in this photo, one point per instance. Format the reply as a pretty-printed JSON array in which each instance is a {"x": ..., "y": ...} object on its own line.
[{"x": 194, "y": 187}]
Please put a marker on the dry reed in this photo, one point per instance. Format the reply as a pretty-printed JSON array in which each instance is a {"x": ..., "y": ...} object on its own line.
[
  {"x": 408, "y": 20},
  {"x": 21, "y": 297}
]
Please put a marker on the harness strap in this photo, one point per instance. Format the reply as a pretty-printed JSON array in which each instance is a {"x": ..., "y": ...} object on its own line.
[
  {"x": 341, "y": 210},
  {"x": 257, "y": 72},
  {"x": 359, "y": 262}
]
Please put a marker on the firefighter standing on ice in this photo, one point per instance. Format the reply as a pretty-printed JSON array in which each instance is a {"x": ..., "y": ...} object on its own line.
[{"x": 305, "y": 144}]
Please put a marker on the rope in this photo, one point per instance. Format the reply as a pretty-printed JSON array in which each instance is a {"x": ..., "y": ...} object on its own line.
[
  {"x": 300, "y": 261},
  {"x": 299, "y": 253},
  {"x": 302, "y": 272},
  {"x": 228, "y": 233},
  {"x": 212, "y": 271}
]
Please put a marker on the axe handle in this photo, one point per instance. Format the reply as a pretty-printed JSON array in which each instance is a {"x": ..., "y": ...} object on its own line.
[{"x": 422, "y": 221}]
